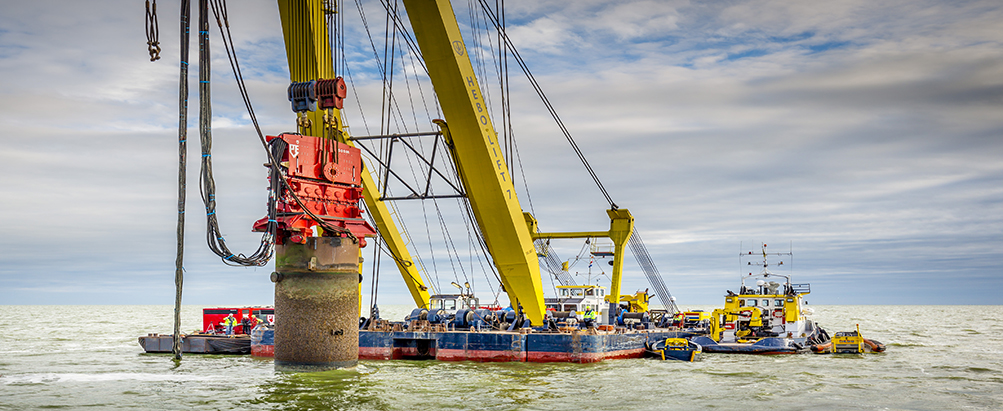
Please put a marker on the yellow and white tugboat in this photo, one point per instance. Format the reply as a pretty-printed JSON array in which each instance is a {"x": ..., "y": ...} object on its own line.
[{"x": 766, "y": 316}]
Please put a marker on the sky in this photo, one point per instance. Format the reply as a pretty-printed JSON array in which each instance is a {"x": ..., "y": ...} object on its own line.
[{"x": 866, "y": 137}]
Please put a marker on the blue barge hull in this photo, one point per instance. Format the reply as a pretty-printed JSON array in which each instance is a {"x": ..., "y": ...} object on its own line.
[{"x": 500, "y": 346}]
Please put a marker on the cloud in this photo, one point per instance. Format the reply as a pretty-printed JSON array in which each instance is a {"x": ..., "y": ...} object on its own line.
[{"x": 866, "y": 134}]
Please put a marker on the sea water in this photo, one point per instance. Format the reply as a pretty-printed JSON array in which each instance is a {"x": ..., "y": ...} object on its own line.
[{"x": 88, "y": 357}]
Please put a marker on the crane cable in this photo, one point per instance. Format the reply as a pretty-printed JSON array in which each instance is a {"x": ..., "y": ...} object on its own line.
[{"x": 546, "y": 102}]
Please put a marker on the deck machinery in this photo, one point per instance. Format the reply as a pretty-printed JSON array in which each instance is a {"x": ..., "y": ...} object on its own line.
[{"x": 316, "y": 267}]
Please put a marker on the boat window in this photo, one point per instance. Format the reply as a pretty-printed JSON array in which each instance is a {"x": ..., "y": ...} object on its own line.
[
  {"x": 741, "y": 303},
  {"x": 589, "y": 292},
  {"x": 449, "y": 305},
  {"x": 777, "y": 303},
  {"x": 564, "y": 291},
  {"x": 576, "y": 291},
  {"x": 570, "y": 307},
  {"x": 752, "y": 302},
  {"x": 766, "y": 303}
]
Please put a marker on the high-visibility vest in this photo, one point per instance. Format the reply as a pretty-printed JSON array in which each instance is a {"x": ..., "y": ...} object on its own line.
[
  {"x": 590, "y": 315},
  {"x": 230, "y": 321}
]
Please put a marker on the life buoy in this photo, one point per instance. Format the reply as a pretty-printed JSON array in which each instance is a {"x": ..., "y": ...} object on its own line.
[
  {"x": 729, "y": 326},
  {"x": 778, "y": 313}
]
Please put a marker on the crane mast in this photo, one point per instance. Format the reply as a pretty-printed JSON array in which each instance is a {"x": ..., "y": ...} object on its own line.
[
  {"x": 473, "y": 145},
  {"x": 477, "y": 154}
]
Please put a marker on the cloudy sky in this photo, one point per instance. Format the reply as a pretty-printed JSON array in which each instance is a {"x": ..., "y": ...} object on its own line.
[{"x": 867, "y": 136}]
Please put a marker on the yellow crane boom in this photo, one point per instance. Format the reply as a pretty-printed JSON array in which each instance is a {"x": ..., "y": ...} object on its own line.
[
  {"x": 473, "y": 145},
  {"x": 477, "y": 154}
]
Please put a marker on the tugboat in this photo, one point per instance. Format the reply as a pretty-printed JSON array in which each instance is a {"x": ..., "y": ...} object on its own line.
[{"x": 765, "y": 318}]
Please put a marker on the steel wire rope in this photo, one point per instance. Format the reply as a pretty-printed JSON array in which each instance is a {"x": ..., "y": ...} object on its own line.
[
  {"x": 508, "y": 137},
  {"x": 376, "y": 274},
  {"x": 580, "y": 254},
  {"x": 650, "y": 271},
  {"x": 507, "y": 95},
  {"x": 410, "y": 95},
  {"x": 387, "y": 77},
  {"x": 507, "y": 114},
  {"x": 550, "y": 107},
  {"x": 421, "y": 146},
  {"x": 362, "y": 114},
  {"x": 404, "y": 232},
  {"x": 411, "y": 44},
  {"x": 471, "y": 220},
  {"x": 390, "y": 253},
  {"x": 478, "y": 63},
  {"x": 501, "y": 71},
  {"x": 391, "y": 66},
  {"x": 553, "y": 263},
  {"x": 479, "y": 236},
  {"x": 393, "y": 103},
  {"x": 428, "y": 237},
  {"x": 448, "y": 240}
]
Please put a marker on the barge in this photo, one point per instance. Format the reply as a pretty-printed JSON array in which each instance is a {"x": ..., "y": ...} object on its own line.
[
  {"x": 576, "y": 346},
  {"x": 213, "y": 338},
  {"x": 457, "y": 328}
]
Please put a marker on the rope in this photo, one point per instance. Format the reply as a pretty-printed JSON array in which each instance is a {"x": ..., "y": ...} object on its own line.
[
  {"x": 546, "y": 102},
  {"x": 179, "y": 276},
  {"x": 153, "y": 30},
  {"x": 648, "y": 266}
]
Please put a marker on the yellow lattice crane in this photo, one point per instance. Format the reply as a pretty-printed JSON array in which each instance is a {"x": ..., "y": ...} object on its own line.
[{"x": 473, "y": 143}]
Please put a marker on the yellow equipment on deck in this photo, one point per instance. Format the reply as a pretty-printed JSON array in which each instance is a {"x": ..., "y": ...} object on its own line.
[{"x": 848, "y": 342}]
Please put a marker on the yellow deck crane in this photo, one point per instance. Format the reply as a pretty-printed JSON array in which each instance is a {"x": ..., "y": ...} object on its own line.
[{"x": 473, "y": 143}]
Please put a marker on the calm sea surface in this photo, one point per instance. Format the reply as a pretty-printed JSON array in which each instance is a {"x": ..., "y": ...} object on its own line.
[{"x": 75, "y": 357}]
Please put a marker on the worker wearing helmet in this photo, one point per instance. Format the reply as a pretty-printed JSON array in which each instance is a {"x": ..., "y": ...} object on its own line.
[
  {"x": 229, "y": 322},
  {"x": 245, "y": 324},
  {"x": 590, "y": 316}
]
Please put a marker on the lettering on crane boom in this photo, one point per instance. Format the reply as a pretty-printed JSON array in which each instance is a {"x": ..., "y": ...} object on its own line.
[{"x": 472, "y": 84}]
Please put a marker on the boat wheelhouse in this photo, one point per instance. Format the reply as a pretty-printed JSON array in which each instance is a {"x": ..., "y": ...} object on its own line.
[
  {"x": 766, "y": 316},
  {"x": 578, "y": 299}
]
